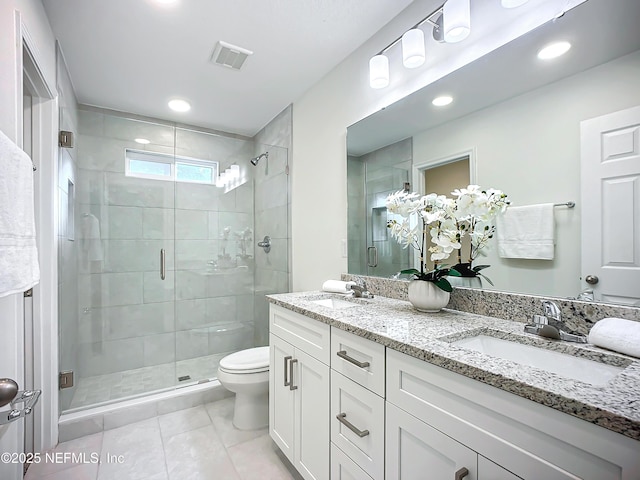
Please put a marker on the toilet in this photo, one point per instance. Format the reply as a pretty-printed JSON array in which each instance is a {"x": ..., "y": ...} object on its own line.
[{"x": 246, "y": 373}]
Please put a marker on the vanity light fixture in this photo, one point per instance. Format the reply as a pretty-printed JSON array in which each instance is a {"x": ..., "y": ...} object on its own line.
[
  {"x": 379, "y": 71},
  {"x": 512, "y": 3},
  {"x": 456, "y": 18},
  {"x": 142, "y": 141},
  {"x": 554, "y": 50},
  {"x": 442, "y": 100},
  {"x": 179, "y": 105},
  {"x": 451, "y": 22},
  {"x": 413, "y": 50}
]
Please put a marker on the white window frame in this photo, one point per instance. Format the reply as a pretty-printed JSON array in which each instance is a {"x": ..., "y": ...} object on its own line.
[{"x": 172, "y": 160}]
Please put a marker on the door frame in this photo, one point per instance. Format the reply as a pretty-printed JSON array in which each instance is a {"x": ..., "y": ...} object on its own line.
[
  {"x": 45, "y": 294},
  {"x": 421, "y": 167}
]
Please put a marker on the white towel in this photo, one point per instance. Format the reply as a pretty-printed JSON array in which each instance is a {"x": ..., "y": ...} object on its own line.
[
  {"x": 618, "y": 335},
  {"x": 19, "y": 270},
  {"x": 337, "y": 286},
  {"x": 527, "y": 232},
  {"x": 91, "y": 241}
]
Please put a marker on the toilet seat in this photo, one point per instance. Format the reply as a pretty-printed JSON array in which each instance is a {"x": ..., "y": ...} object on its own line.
[{"x": 252, "y": 360}]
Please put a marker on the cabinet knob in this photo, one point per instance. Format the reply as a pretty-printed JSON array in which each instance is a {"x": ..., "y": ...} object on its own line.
[
  {"x": 591, "y": 279},
  {"x": 460, "y": 474}
]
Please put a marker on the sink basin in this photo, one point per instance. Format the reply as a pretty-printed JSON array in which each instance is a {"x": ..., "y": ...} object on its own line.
[
  {"x": 333, "y": 303},
  {"x": 575, "y": 368}
]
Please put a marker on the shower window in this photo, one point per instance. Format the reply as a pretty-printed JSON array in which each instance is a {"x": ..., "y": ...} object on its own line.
[{"x": 158, "y": 166}]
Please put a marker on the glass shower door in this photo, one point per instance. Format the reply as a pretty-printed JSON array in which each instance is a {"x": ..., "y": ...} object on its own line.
[{"x": 116, "y": 312}]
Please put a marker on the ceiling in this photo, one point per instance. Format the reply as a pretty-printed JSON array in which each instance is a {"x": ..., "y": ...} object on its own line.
[
  {"x": 136, "y": 55},
  {"x": 507, "y": 72}
]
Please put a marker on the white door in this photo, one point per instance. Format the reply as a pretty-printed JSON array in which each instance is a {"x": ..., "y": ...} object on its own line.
[
  {"x": 416, "y": 451},
  {"x": 281, "y": 397},
  {"x": 311, "y": 452},
  {"x": 610, "y": 184}
]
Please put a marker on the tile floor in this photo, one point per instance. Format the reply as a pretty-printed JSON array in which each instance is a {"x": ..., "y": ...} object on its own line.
[
  {"x": 199, "y": 443},
  {"x": 130, "y": 383}
]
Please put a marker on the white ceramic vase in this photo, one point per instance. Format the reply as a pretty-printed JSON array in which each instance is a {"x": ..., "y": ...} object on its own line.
[{"x": 427, "y": 297}]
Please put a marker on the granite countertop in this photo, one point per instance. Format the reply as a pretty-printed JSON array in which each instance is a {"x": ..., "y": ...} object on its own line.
[{"x": 428, "y": 336}]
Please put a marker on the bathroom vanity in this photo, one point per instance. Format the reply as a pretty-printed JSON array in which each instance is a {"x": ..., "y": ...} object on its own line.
[{"x": 372, "y": 389}]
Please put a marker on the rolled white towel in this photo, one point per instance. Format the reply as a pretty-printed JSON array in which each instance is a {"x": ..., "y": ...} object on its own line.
[
  {"x": 337, "y": 286},
  {"x": 617, "y": 334}
]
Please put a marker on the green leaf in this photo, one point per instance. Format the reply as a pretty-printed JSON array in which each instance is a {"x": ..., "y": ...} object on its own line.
[
  {"x": 410, "y": 271},
  {"x": 487, "y": 279},
  {"x": 454, "y": 273},
  {"x": 480, "y": 267},
  {"x": 443, "y": 284}
]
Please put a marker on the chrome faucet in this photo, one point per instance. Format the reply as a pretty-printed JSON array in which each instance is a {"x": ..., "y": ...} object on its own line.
[
  {"x": 550, "y": 325},
  {"x": 361, "y": 291}
]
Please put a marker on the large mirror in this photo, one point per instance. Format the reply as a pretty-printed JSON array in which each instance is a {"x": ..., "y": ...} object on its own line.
[{"x": 514, "y": 125}]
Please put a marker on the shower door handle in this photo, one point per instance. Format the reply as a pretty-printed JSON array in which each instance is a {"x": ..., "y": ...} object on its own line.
[
  {"x": 163, "y": 269},
  {"x": 373, "y": 263}
]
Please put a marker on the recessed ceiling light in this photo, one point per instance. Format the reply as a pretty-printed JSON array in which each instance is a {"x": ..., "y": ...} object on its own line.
[
  {"x": 554, "y": 50},
  {"x": 442, "y": 101},
  {"x": 178, "y": 105},
  {"x": 166, "y": 2},
  {"x": 142, "y": 141}
]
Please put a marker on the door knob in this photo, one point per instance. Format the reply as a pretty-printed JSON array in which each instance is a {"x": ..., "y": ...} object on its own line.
[
  {"x": 8, "y": 391},
  {"x": 591, "y": 279},
  {"x": 265, "y": 244}
]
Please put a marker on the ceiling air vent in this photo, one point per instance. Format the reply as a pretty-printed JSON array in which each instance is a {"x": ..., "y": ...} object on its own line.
[{"x": 231, "y": 56}]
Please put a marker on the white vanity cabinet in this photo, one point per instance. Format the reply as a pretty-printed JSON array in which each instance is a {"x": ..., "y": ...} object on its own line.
[
  {"x": 492, "y": 433},
  {"x": 299, "y": 391}
]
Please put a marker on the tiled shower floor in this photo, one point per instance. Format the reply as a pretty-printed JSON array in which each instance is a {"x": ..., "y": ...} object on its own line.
[{"x": 129, "y": 383}]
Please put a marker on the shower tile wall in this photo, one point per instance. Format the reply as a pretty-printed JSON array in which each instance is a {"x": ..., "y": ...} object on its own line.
[
  {"x": 67, "y": 243},
  {"x": 128, "y": 317},
  {"x": 272, "y": 207}
]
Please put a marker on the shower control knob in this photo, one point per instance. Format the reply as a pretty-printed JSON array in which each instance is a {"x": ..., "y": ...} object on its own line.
[
  {"x": 265, "y": 244},
  {"x": 8, "y": 391},
  {"x": 591, "y": 279}
]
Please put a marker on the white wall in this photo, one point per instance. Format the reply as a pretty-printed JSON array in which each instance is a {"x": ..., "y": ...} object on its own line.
[
  {"x": 322, "y": 114},
  {"x": 35, "y": 22},
  {"x": 529, "y": 147}
]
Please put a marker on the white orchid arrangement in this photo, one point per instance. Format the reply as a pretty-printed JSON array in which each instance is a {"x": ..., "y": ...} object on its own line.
[{"x": 446, "y": 221}]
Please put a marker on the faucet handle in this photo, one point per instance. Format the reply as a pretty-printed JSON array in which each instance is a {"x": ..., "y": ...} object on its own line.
[
  {"x": 551, "y": 310},
  {"x": 540, "y": 320}
]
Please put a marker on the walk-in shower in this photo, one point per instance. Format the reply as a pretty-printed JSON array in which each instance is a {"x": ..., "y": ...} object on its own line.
[{"x": 131, "y": 322}]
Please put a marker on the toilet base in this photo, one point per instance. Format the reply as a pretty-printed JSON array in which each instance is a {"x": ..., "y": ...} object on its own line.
[{"x": 251, "y": 412}]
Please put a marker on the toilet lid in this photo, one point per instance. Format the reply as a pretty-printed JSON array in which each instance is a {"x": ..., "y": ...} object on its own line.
[{"x": 250, "y": 359}]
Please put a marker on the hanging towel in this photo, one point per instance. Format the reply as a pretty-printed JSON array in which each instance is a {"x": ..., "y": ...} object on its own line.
[
  {"x": 527, "y": 232},
  {"x": 91, "y": 241},
  {"x": 617, "y": 334},
  {"x": 337, "y": 286},
  {"x": 19, "y": 270}
]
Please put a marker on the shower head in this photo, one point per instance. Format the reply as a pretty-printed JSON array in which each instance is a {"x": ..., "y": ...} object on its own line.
[{"x": 255, "y": 160}]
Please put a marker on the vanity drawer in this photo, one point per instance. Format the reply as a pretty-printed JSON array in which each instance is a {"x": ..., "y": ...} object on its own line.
[
  {"x": 343, "y": 468},
  {"x": 357, "y": 427},
  {"x": 309, "y": 335},
  {"x": 359, "y": 359}
]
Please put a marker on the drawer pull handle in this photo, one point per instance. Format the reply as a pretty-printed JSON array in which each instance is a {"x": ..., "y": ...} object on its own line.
[
  {"x": 460, "y": 474},
  {"x": 342, "y": 418},
  {"x": 286, "y": 382},
  {"x": 343, "y": 354},
  {"x": 291, "y": 385}
]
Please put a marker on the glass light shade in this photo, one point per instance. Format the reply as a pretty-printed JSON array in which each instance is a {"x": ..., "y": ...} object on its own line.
[
  {"x": 234, "y": 171},
  {"x": 222, "y": 180},
  {"x": 512, "y": 3},
  {"x": 379, "y": 71},
  {"x": 413, "y": 48},
  {"x": 456, "y": 19}
]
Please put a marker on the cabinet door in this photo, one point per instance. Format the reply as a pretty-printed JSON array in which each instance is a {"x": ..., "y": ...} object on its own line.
[
  {"x": 311, "y": 412},
  {"x": 417, "y": 451},
  {"x": 487, "y": 470},
  {"x": 343, "y": 468},
  {"x": 281, "y": 397}
]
